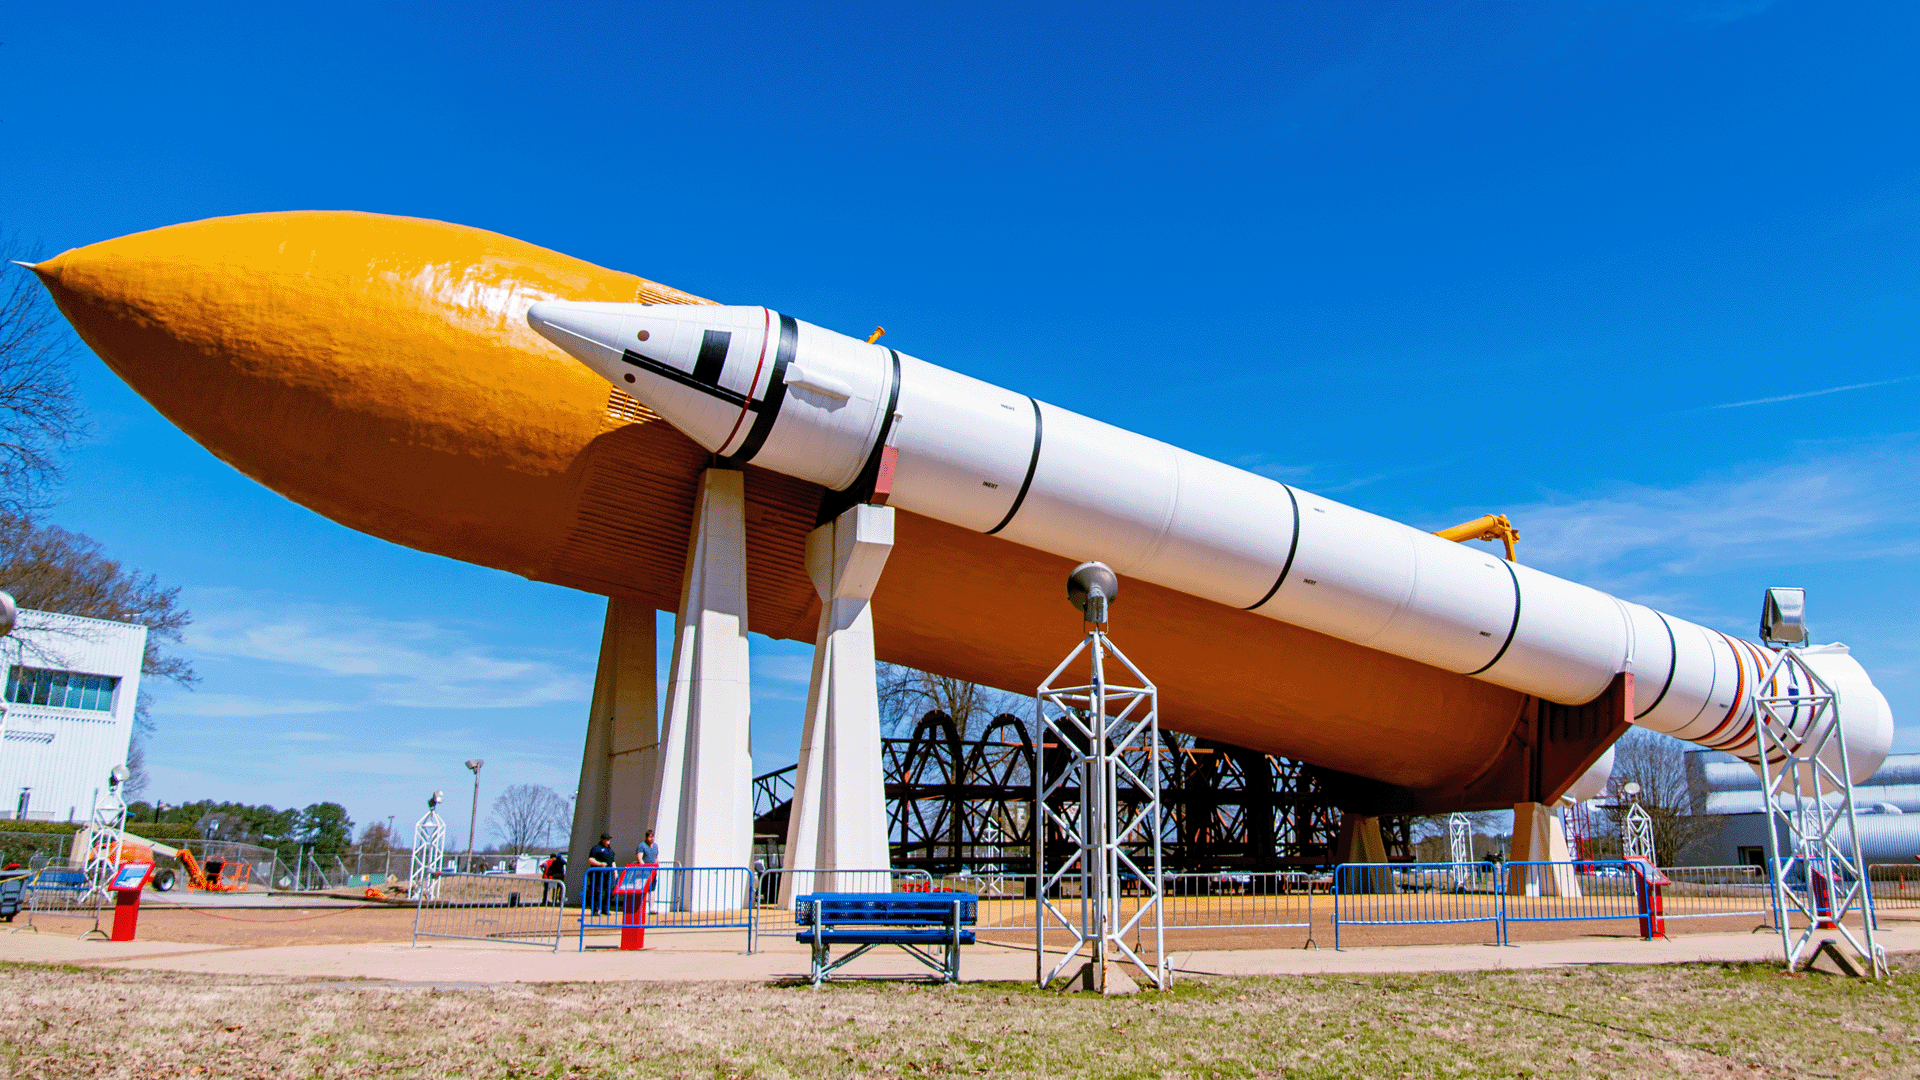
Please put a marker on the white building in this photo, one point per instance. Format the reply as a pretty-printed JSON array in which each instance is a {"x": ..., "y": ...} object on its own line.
[
  {"x": 1887, "y": 807},
  {"x": 70, "y": 689}
]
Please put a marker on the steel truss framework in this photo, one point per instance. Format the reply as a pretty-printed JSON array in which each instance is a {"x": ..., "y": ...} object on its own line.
[
  {"x": 1110, "y": 733},
  {"x": 956, "y": 804},
  {"x": 429, "y": 845},
  {"x": 1809, "y": 804},
  {"x": 1636, "y": 836}
]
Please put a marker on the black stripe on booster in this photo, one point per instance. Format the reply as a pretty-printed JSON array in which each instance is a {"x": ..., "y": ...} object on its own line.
[
  {"x": 1673, "y": 661},
  {"x": 1511, "y": 630},
  {"x": 839, "y": 502},
  {"x": 1292, "y": 549},
  {"x": 776, "y": 394},
  {"x": 668, "y": 371},
  {"x": 1032, "y": 464},
  {"x": 713, "y": 357}
]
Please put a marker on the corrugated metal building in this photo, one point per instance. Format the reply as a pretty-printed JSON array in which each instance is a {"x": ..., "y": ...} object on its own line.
[
  {"x": 71, "y": 685},
  {"x": 1887, "y": 807}
]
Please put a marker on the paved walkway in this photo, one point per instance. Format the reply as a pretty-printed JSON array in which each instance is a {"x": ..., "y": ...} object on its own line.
[{"x": 689, "y": 956}]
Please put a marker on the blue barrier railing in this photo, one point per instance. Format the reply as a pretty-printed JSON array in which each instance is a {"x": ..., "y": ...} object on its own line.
[
  {"x": 1436, "y": 894},
  {"x": 1589, "y": 891},
  {"x": 645, "y": 897},
  {"x": 1415, "y": 894}
]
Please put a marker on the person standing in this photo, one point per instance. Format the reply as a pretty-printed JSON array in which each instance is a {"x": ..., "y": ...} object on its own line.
[
  {"x": 600, "y": 885},
  {"x": 649, "y": 852}
]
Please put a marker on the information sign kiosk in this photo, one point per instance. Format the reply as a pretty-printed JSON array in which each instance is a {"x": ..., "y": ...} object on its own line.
[
  {"x": 1649, "y": 888},
  {"x": 630, "y": 892},
  {"x": 126, "y": 885}
]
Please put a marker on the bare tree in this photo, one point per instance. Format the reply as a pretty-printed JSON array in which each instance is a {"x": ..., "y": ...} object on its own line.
[
  {"x": 375, "y": 839},
  {"x": 47, "y": 568},
  {"x": 907, "y": 694},
  {"x": 1658, "y": 763},
  {"x": 524, "y": 817},
  {"x": 39, "y": 411},
  {"x": 137, "y": 778}
]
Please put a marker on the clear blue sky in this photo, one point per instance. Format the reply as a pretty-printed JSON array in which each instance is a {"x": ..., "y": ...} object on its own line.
[{"x": 1642, "y": 276}]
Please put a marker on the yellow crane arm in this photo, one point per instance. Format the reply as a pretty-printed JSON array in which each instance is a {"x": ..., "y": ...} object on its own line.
[{"x": 1490, "y": 527}]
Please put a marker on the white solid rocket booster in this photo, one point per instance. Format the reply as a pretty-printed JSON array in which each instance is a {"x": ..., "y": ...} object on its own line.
[{"x": 751, "y": 384}]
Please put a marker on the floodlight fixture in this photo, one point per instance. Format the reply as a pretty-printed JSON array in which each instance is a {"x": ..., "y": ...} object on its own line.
[
  {"x": 436, "y": 799},
  {"x": 118, "y": 776},
  {"x": 474, "y": 764},
  {"x": 1630, "y": 789},
  {"x": 9, "y": 614},
  {"x": 1783, "y": 617},
  {"x": 1092, "y": 587}
]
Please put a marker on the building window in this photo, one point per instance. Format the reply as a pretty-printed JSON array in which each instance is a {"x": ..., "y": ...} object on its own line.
[
  {"x": 61, "y": 689},
  {"x": 1753, "y": 856}
]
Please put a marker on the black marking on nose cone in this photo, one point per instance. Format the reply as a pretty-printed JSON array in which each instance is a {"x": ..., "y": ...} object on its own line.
[
  {"x": 713, "y": 356},
  {"x": 668, "y": 371}
]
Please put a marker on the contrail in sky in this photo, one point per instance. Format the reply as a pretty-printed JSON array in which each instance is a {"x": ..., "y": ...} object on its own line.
[{"x": 1814, "y": 393}]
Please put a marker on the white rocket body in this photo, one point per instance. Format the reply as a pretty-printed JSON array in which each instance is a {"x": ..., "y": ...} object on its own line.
[{"x": 753, "y": 385}]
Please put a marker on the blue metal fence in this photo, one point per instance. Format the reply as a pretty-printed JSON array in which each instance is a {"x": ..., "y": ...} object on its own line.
[
  {"x": 1414, "y": 894},
  {"x": 646, "y": 897},
  {"x": 1596, "y": 890}
]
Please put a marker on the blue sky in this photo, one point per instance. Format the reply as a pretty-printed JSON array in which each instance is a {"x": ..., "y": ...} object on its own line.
[{"x": 1643, "y": 277}]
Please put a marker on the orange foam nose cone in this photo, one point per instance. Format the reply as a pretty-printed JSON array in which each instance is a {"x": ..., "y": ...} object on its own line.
[{"x": 376, "y": 369}]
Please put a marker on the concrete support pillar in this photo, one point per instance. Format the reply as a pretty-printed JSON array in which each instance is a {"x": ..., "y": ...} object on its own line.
[
  {"x": 1359, "y": 841},
  {"x": 839, "y": 815},
  {"x": 704, "y": 810},
  {"x": 1540, "y": 836},
  {"x": 620, "y": 764}
]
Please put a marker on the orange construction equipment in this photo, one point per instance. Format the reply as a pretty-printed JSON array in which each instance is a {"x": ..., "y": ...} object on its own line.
[{"x": 217, "y": 875}]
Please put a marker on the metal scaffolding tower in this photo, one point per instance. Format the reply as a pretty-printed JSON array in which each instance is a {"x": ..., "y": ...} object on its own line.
[
  {"x": 429, "y": 847},
  {"x": 1807, "y": 785},
  {"x": 1111, "y": 735},
  {"x": 1812, "y": 842}
]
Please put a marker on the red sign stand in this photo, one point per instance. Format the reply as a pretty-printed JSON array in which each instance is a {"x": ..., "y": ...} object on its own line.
[
  {"x": 636, "y": 882},
  {"x": 126, "y": 888}
]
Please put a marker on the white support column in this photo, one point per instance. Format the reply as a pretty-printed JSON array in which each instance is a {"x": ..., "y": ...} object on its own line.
[
  {"x": 1539, "y": 837},
  {"x": 620, "y": 765},
  {"x": 1565, "y": 882},
  {"x": 704, "y": 810},
  {"x": 839, "y": 815}
]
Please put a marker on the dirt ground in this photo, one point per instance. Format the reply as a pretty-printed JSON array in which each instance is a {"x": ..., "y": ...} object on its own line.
[
  {"x": 254, "y": 927},
  {"x": 1741, "y": 1020}
]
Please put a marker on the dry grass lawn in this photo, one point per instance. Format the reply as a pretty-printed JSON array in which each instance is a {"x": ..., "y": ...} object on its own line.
[{"x": 1733, "y": 1019}]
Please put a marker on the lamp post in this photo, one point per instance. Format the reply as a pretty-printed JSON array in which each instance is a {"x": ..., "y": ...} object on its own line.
[{"x": 473, "y": 822}]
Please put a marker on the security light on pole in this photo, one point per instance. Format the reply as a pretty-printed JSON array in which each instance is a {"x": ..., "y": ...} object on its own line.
[
  {"x": 473, "y": 822},
  {"x": 1783, "y": 617}
]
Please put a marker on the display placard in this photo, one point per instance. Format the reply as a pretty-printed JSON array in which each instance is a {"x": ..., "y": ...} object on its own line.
[
  {"x": 635, "y": 879},
  {"x": 132, "y": 875}
]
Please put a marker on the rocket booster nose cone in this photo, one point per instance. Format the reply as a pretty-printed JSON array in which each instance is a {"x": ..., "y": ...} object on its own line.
[
  {"x": 700, "y": 366},
  {"x": 585, "y": 333}
]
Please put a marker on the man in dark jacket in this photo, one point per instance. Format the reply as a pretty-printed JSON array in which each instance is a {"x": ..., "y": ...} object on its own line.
[{"x": 600, "y": 886}]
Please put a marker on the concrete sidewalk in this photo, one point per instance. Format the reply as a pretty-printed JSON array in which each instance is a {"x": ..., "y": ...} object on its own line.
[{"x": 705, "y": 957}]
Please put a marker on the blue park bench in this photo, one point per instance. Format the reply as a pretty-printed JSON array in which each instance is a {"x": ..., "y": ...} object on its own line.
[{"x": 917, "y": 922}]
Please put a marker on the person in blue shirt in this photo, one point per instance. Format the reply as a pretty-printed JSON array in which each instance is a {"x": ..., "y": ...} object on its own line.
[{"x": 649, "y": 852}]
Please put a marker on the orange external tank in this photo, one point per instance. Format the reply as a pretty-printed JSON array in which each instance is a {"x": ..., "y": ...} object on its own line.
[{"x": 380, "y": 371}]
